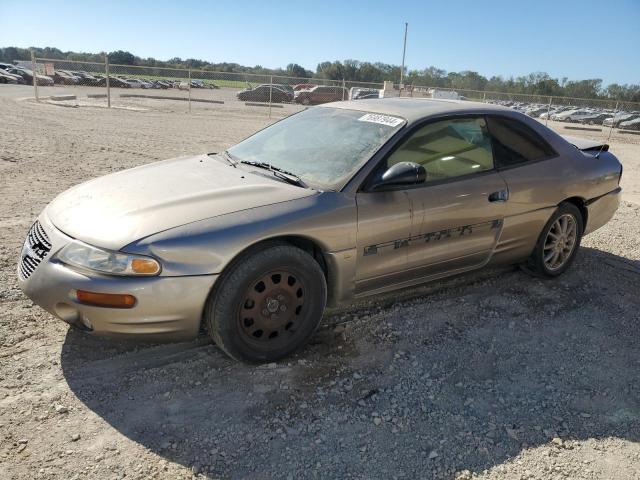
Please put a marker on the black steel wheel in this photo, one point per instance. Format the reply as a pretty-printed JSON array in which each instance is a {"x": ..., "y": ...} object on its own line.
[{"x": 268, "y": 304}]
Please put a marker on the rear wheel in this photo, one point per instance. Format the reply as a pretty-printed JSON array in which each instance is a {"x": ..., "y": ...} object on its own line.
[
  {"x": 558, "y": 243},
  {"x": 268, "y": 305}
]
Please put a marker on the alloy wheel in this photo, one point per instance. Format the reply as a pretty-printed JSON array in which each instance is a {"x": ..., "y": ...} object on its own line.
[{"x": 560, "y": 242}]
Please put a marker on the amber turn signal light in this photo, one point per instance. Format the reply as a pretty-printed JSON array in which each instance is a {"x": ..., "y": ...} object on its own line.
[
  {"x": 109, "y": 300},
  {"x": 144, "y": 267}
]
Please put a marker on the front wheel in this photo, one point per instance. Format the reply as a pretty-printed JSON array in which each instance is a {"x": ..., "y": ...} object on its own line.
[
  {"x": 268, "y": 304},
  {"x": 558, "y": 243}
]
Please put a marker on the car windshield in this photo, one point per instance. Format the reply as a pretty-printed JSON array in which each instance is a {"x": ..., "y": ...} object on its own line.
[{"x": 323, "y": 146}]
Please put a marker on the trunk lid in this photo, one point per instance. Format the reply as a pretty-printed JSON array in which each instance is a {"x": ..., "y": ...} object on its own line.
[{"x": 586, "y": 145}]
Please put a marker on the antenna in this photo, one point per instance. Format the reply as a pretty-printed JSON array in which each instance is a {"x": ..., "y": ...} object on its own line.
[{"x": 613, "y": 121}]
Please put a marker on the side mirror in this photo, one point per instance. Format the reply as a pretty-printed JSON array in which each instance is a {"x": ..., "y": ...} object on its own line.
[{"x": 399, "y": 175}]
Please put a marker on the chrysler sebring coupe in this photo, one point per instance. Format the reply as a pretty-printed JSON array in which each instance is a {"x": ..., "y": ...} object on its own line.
[{"x": 326, "y": 206}]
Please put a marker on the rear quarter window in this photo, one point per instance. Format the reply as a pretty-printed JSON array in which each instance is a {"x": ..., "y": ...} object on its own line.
[{"x": 514, "y": 143}]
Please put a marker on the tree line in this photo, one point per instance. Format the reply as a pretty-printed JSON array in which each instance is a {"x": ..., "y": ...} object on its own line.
[{"x": 537, "y": 83}]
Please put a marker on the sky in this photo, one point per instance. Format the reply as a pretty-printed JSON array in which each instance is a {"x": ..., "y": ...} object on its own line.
[{"x": 565, "y": 38}]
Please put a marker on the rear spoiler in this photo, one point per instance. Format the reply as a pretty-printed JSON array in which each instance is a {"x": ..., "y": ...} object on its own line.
[{"x": 586, "y": 145}]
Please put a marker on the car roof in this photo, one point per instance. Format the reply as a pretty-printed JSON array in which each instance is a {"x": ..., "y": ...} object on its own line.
[{"x": 415, "y": 109}]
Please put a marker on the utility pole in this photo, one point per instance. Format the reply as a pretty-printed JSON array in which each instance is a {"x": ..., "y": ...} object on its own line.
[
  {"x": 35, "y": 75},
  {"x": 404, "y": 50},
  {"x": 189, "y": 89},
  {"x": 106, "y": 69}
]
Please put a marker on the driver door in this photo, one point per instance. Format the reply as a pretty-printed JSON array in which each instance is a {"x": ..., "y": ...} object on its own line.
[
  {"x": 455, "y": 216},
  {"x": 384, "y": 225}
]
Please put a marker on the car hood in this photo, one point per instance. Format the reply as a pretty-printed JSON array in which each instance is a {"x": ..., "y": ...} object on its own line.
[{"x": 117, "y": 209}]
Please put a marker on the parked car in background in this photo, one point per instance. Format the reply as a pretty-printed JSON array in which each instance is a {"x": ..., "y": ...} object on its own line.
[
  {"x": 579, "y": 116},
  {"x": 358, "y": 93},
  {"x": 545, "y": 115},
  {"x": 17, "y": 78},
  {"x": 285, "y": 87},
  {"x": 138, "y": 83},
  {"x": 304, "y": 86},
  {"x": 64, "y": 77},
  {"x": 564, "y": 116},
  {"x": 8, "y": 78},
  {"x": 264, "y": 93},
  {"x": 321, "y": 94},
  {"x": 159, "y": 84},
  {"x": 595, "y": 118},
  {"x": 203, "y": 84},
  {"x": 554, "y": 111},
  {"x": 630, "y": 124},
  {"x": 27, "y": 75},
  {"x": 184, "y": 85},
  {"x": 88, "y": 79},
  {"x": 117, "y": 82},
  {"x": 535, "y": 112},
  {"x": 618, "y": 118}
]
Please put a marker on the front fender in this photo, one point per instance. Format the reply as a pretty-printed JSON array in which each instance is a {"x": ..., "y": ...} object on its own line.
[{"x": 207, "y": 246}]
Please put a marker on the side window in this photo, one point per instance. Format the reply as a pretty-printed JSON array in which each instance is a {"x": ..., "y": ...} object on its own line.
[
  {"x": 515, "y": 143},
  {"x": 448, "y": 148}
]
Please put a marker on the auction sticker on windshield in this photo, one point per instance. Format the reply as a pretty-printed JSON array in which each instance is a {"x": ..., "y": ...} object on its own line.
[{"x": 381, "y": 119}]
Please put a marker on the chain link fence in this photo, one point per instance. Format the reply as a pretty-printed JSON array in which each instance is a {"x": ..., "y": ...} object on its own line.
[
  {"x": 567, "y": 113},
  {"x": 181, "y": 89}
]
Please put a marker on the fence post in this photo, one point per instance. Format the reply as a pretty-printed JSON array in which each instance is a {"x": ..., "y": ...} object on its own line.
[
  {"x": 343, "y": 89},
  {"x": 546, "y": 122},
  {"x": 106, "y": 69},
  {"x": 615, "y": 112},
  {"x": 189, "y": 89},
  {"x": 270, "y": 91},
  {"x": 484, "y": 97},
  {"x": 35, "y": 79}
]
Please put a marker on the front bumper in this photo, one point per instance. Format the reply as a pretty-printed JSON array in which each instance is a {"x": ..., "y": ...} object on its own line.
[{"x": 167, "y": 308}]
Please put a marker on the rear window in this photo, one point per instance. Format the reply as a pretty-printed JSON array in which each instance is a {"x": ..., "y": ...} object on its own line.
[{"x": 514, "y": 143}]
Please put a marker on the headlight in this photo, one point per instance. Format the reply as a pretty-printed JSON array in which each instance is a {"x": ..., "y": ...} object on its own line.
[{"x": 105, "y": 261}]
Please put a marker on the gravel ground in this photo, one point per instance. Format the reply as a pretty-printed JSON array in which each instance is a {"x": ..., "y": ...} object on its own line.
[{"x": 494, "y": 375}]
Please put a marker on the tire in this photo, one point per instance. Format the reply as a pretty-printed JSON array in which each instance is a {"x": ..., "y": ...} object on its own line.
[
  {"x": 306, "y": 101},
  {"x": 548, "y": 258},
  {"x": 268, "y": 304}
]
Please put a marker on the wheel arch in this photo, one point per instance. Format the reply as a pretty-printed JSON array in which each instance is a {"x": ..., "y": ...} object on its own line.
[
  {"x": 580, "y": 204},
  {"x": 309, "y": 245}
]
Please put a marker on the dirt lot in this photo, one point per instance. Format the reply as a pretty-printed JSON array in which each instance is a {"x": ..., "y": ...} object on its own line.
[{"x": 494, "y": 375}]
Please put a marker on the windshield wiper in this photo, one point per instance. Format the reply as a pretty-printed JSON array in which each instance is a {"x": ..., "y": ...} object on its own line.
[
  {"x": 226, "y": 156},
  {"x": 292, "y": 178}
]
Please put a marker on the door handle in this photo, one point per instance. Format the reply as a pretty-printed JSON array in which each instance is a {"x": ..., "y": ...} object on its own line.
[{"x": 499, "y": 196}]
